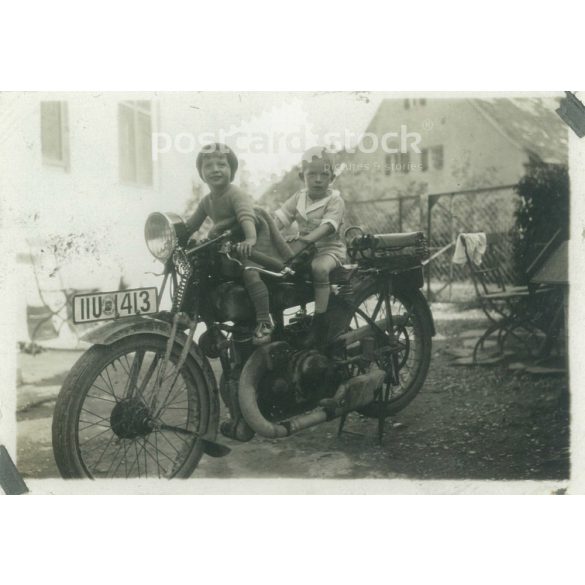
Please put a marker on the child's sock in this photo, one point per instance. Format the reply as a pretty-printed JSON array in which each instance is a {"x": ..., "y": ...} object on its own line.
[
  {"x": 321, "y": 296},
  {"x": 259, "y": 294}
]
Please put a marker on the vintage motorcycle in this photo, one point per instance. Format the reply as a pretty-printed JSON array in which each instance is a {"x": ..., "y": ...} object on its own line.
[{"x": 143, "y": 401}]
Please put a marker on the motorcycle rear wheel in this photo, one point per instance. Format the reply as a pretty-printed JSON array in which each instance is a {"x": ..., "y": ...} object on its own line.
[
  {"x": 414, "y": 330},
  {"x": 110, "y": 422}
]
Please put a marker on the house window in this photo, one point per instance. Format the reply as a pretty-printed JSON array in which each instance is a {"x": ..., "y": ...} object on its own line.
[
  {"x": 55, "y": 134},
  {"x": 437, "y": 156},
  {"x": 399, "y": 163},
  {"x": 135, "y": 142},
  {"x": 431, "y": 158}
]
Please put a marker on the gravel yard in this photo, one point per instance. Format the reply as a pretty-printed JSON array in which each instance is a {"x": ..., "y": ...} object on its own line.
[{"x": 482, "y": 422}]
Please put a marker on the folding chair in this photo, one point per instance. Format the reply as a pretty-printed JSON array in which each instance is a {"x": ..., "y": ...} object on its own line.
[{"x": 508, "y": 314}]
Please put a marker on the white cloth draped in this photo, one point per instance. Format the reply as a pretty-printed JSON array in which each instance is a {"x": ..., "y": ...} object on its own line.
[{"x": 476, "y": 247}]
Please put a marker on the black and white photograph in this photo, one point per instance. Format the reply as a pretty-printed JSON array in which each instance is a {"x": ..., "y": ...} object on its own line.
[
  {"x": 318, "y": 267},
  {"x": 287, "y": 286}
]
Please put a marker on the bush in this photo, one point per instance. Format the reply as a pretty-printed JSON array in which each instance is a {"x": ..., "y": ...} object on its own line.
[{"x": 542, "y": 211}]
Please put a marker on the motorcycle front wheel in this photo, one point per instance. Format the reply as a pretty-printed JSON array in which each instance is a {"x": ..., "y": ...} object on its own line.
[{"x": 113, "y": 420}]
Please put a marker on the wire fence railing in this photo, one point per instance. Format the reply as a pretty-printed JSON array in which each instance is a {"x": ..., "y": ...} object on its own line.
[{"x": 442, "y": 216}]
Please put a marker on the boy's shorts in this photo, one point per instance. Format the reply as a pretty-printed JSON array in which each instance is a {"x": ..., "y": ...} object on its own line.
[{"x": 336, "y": 250}]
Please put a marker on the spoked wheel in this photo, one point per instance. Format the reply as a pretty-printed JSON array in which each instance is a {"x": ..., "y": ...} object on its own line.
[
  {"x": 112, "y": 419},
  {"x": 413, "y": 332}
]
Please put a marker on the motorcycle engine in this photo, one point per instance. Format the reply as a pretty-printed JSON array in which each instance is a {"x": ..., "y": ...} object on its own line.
[
  {"x": 305, "y": 378},
  {"x": 312, "y": 374}
]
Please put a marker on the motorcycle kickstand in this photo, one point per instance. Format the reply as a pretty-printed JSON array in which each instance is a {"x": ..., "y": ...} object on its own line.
[
  {"x": 341, "y": 430},
  {"x": 383, "y": 416},
  {"x": 341, "y": 424},
  {"x": 381, "y": 428}
]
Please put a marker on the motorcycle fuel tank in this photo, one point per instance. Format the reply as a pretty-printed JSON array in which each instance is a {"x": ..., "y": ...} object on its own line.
[{"x": 285, "y": 295}]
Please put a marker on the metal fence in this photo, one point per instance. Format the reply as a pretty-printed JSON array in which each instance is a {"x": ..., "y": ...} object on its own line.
[
  {"x": 398, "y": 214},
  {"x": 442, "y": 216}
]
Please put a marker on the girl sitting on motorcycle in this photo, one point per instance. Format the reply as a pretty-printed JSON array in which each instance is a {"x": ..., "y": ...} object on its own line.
[
  {"x": 318, "y": 209},
  {"x": 227, "y": 205}
]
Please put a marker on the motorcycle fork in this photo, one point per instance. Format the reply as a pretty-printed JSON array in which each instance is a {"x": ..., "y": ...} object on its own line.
[{"x": 182, "y": 359}]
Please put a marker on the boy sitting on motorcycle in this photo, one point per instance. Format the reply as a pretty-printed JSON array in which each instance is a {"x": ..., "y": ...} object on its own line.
[
  {"x": 227, "y": 205},
  {"x": 318, "y": 209}
]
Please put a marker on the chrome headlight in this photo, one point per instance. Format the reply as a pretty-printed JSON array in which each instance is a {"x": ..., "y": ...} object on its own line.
[{"x": 162, "y": 233}]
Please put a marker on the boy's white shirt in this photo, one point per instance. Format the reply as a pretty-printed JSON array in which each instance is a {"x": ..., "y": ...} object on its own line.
[
  {"x": 302, "y": 202},
  {"x": 303, "y": 210}
]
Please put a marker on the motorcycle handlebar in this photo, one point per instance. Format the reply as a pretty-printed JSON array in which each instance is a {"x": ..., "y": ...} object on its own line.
[
  {"x": 263, "y": 259},
  {"x": 223, "y": 236}
]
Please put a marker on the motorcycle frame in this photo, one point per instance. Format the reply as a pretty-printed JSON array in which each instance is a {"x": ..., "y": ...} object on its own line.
[{"x": 166, "y": 324}]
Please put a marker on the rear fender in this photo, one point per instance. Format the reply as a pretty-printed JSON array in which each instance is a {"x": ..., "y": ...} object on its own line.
[
  {"x": 423, "y": 304},
  {"x": 401, "y": 285}
]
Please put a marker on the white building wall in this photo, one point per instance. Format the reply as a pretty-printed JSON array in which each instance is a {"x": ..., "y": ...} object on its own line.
[
  {"x": 89, "y": 197},
  {"x": 88, "y": 201}
]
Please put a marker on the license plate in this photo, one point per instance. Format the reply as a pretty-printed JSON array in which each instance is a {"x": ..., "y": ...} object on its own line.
[{"x": 114, "y": 305}]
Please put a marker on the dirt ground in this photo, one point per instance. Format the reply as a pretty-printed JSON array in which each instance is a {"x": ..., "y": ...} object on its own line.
[{"x": 467, "y": 423}]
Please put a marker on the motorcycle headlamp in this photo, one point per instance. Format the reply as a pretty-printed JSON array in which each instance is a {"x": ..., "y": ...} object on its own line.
[{"x": 163, "y": 232}]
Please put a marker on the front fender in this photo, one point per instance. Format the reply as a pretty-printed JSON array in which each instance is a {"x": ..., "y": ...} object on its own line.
[{"x": 113, "y": 331}]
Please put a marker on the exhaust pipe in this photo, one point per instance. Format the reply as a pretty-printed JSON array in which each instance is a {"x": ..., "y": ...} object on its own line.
[
  {"x": 356, "y": 392},
  {"x": 355, "y": 335},
  {"x": 351, "y": 337}
]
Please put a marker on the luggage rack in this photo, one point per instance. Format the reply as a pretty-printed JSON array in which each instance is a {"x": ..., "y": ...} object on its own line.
[{"x": 394, "y": 250}]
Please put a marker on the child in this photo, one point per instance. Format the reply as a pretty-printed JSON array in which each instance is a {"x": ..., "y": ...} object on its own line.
[
  {"x": 319, "y": 211},
  {"x": 225, "y": 205}
]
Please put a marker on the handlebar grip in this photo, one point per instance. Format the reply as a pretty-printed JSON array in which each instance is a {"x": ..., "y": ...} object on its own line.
[{"x": 266, "y": 261}]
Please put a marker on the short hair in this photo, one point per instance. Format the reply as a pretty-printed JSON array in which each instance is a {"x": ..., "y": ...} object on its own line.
[
  {"x": 218, "y": 148},
  {"x": 317, "y": 152}
]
